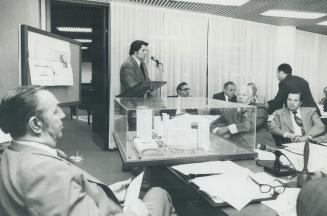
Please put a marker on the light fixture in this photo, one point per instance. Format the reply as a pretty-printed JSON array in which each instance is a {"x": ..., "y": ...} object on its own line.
[
  {"x": 215, "y": 2},
  {"x": 324, "y": 23},
  {"x": 84, "y": 40},
  {"x": 293, "y": 14},
  {"x": 84, "y": 48},
  {"x": 74, "y": 29}
]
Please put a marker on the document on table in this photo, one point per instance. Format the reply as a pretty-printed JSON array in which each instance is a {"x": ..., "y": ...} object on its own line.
[
  {"x": 133, "y": 191},
  {"x": 237, "y": 189},
  {"x": 285, "y": 204},
  {"x": 206, "y": 167},
  {"x": 317, "y": 157}
]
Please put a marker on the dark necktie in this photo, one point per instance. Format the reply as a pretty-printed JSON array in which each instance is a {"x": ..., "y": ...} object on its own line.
[
  {"x": 299, "y": 122},
  {"x": 229, "y": 99},
  {"x": 143, "y": 69}
]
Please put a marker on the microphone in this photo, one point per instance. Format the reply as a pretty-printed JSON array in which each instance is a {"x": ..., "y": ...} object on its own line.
[
  {"x": 264, "y": 147},
  {"x": 156, "y": 60}
]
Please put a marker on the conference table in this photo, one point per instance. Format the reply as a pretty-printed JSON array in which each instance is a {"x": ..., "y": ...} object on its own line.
[{"x": 188, "y": 200}]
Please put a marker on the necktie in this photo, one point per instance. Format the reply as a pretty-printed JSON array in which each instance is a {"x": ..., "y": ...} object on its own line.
[
  {"x": 299, "y": 122},
  {"x": 143, "y": 69},
  {"x": 229, "y": 99}
]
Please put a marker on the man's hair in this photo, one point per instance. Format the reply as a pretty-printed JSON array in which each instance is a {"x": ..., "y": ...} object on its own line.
[
  {"x": 17, "y": 107},
  {"x": 136, "y": 46},
  {"x": 286, "y": 68},
  {"x": 297, "y": 92},
  {"x": 179, "y": 87},
  {"x": 228, "y": 83}
]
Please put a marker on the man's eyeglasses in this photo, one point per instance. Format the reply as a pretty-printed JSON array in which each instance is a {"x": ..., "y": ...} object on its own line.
[
  {"x": 185, "y": 89},
  {"x": 265, "y": 188}
]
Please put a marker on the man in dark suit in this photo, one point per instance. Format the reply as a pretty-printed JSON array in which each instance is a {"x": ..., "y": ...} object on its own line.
[
  {"x": 228, "y": 94},
  {"x": 35, "y": 178},
  {"x": 238, "y": 124},
  {"x": 289, "y": 83},
  {"x": 133, "y": 69}
]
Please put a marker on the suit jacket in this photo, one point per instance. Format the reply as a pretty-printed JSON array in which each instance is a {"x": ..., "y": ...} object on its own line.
[
  {"x": 172, "y": 112},
  {"x": 34, "y": 182},
  {"x": 313, "y": 126},
  {"x": 221, "y": 96},
  {"x": 245, "y": 126},
  {"x": 291, "y": 83},
  {"x": 131, "y": 74}
]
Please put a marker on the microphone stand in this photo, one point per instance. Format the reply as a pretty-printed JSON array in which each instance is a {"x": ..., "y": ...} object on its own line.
[
  {"x": 161, "y": 70},
  {"x": 304, "y": 176}
]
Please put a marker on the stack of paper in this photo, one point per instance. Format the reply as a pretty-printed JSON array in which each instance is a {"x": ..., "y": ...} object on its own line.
[{"x": 232, "y": 186}]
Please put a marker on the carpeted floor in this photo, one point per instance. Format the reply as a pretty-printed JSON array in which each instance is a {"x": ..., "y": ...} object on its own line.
[{"x": 105, "y": 165}]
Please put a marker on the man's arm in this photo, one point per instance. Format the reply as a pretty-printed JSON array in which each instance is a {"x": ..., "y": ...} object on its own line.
[
  {"x": 280, "y": 98},
  {"x": 318, "y": 126},
  {"x": 128, "y": 76},
  {"x": 51, "y": 188}
]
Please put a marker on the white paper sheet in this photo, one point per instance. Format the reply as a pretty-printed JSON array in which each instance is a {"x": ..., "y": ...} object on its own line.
[
  {"x": 317, "y": 158},
  {"x": 285, "y": 204},
  {"x": 133, "y": 191}
]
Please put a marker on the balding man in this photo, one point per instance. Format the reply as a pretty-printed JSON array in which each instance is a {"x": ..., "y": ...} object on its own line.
[
  {"x": 240, "y": 129},
  {"x": 36, "y": 180}
]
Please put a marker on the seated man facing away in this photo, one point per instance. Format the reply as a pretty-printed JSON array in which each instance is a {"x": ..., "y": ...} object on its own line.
[
  {"x": 36, "y": 180},
  {"x": 312, "y": 198},
  {"x": 294, "y": 123},
  {"x": 236, "y": 125}
]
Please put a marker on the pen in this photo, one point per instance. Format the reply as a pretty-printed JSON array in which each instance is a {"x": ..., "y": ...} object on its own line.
[{"x": 192, "y": 176}]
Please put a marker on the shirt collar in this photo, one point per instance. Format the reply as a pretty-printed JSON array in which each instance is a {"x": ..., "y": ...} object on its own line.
[
  {"x": 298, "y": 112},
  {"x": 43, "y": 147},
  {"x": 226, "y": 97},
  {"x": 137, "y": 60}
]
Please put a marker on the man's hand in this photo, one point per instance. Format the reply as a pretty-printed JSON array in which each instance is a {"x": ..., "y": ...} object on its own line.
[
  {"x": 222, "y": 131},
  {"x": 301, "y": 138}
]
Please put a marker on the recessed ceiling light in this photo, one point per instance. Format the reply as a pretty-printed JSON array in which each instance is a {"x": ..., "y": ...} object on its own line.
[
  {"x": 215, "y": 2},
  {"x": 293, "y": 14},
  {"x": 84, "y": 40},
  {"x": 84, "y": 48},
  {"x": 324, "y": 23},
  {"x": 74, "y": 29}
]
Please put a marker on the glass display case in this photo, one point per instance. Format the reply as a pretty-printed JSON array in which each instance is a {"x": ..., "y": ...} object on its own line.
[{"x": 166, "y": 131}]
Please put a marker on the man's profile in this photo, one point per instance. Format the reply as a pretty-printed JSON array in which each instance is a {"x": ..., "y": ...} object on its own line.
[{"x": 34, "y": 177}]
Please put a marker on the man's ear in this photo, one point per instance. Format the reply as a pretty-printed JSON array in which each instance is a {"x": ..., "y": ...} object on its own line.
[{"x": 35, "y": 125}]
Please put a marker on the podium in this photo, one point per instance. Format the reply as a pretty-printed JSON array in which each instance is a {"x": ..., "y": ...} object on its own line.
[{"x": 140, "y": 89}]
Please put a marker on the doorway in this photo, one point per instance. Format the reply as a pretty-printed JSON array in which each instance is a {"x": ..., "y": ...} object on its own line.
[{"x": 87, "y": 22}]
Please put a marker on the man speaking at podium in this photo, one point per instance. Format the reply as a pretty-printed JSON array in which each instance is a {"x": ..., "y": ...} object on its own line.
[{"x": 133, "y": 69}]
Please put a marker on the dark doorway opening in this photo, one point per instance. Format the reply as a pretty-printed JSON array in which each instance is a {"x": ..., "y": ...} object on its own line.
[{"x": 88, "y": 23}]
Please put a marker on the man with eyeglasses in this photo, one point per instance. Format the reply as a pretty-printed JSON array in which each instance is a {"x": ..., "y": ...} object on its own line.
[{"x": 183, "y": 90}]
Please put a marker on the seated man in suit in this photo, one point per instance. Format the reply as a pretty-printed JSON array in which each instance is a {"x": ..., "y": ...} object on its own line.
[
  {"x": 228, "y": 95},
  {"x": 238, "y": 125},
  {"x": 183, "y": 90},
  {"x": 295, "y": 123},
  {"x": 35, "y": 177}
]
